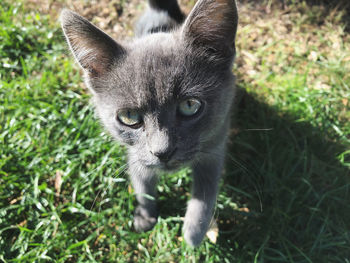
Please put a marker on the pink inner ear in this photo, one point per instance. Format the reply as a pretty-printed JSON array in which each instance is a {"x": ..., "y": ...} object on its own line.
[
  {"x": 95, "y": 70},
  {"x": 97, "y": 65}
]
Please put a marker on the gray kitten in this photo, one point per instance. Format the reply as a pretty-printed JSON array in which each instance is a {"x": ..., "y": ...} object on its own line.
[{"x": 166, "y": 96}]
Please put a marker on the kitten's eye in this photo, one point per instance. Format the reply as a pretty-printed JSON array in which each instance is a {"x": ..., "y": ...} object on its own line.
[
  {"x": 130, "y": 118},
  {"x": 189, "y": 107}
]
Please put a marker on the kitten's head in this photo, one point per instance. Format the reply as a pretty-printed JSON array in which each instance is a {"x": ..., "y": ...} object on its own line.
[{"x": 166, "y": 95}]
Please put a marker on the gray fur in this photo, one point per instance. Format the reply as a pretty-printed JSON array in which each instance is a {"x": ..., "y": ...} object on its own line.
[{"x": 153, "y": 74}]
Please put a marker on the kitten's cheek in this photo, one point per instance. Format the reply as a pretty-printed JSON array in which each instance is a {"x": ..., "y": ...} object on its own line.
[{"x": 126, "y": 137}]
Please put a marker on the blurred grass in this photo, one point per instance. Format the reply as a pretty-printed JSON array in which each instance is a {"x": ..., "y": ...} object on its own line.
[{"x": 64, "y": 195}]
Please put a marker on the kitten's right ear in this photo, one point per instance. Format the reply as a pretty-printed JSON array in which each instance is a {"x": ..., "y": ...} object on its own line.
[{"x": 94, "y": 50}]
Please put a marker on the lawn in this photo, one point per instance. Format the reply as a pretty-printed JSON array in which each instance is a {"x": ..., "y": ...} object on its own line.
[{"x": 285, "y": 193}]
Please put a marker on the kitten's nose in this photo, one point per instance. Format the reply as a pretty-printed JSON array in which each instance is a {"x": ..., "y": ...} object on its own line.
[{"x": 165, "y": 155}]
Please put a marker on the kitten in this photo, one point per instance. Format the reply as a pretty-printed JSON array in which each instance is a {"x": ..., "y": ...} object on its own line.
[{"x": 166, "y": 96}]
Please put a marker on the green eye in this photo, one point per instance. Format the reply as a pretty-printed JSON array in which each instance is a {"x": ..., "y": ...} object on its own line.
[
  {"x": 129, "y": 117},
  {"x": 189, "y": 107}
]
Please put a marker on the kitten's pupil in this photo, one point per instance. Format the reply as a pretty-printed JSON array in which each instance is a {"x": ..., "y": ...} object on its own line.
[{"x": 189, "y": 104}]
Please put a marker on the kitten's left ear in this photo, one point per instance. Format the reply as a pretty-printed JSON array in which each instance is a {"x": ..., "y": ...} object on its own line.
[
  {"x": 213, "y": 24},
  {"x": 94, "y": 50}
]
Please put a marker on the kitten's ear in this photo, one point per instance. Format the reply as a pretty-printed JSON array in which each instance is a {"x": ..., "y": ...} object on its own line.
[
  {"x": 213, "y": 24},
  {"x": 92, "y": 48}
]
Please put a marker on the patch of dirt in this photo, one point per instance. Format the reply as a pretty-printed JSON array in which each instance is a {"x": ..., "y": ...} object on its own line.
[
  {"x": 290, "y": 37},
  {"x": 115, "y": 17}
]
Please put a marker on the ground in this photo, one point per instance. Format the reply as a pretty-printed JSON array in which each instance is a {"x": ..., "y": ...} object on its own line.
[{"x": 64, "y": 194}]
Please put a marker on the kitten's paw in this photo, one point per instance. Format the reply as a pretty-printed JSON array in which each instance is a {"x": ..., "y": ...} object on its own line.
[
  {"x": 142, "y": 220},
  {"x": 193, "y": 234}
]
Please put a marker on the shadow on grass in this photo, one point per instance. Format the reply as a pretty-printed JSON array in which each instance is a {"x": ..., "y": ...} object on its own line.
[{"x": 292, "y": 191}]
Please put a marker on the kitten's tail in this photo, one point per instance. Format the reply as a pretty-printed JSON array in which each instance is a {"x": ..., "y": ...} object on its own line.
[
  {"x": 169, "y": 6},
  {"x": 162, "y": 16}
]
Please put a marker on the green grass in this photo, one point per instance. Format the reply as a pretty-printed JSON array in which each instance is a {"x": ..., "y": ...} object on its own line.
[{"x": 64, "y": 195}]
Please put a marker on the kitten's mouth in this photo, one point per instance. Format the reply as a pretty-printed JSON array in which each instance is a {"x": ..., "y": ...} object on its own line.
[{"x": 167, "y": 166}]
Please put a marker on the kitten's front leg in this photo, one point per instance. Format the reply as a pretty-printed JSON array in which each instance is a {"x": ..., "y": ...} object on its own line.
[
  {"x": 144, "y": 182},
  {"x": 206, "y": 175}
]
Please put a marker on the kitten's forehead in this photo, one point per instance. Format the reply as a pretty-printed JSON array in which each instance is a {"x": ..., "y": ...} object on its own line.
[
  {"x": 159, "y": 70},
  {"x": 152, "y": 68}
]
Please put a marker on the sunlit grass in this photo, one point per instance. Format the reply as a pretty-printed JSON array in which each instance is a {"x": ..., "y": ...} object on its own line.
[{"x": 64, "y": 193}]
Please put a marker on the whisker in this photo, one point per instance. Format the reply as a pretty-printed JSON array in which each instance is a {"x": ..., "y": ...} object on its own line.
[
  {"x": 262, "y": 129},
  {"x": 256, "y": 175},
  {"x": 119, "y": 173},
  {"x": 246, "y": 171},
  {"x": 124, "y": 167}
]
